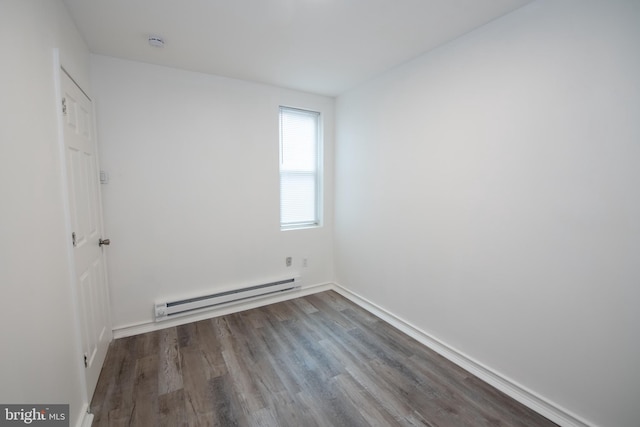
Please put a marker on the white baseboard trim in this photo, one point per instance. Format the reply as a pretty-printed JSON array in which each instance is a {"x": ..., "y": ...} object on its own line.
[
  {"x": 518, "y": 392},
  {"x": 144, "y": 327},
  {"x": 86, "y": 419}
]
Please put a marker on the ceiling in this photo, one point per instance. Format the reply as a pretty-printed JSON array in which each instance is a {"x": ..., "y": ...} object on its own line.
[{"x": 318, "y": 46}]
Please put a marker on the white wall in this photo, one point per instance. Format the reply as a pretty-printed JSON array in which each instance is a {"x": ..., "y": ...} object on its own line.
[
  {"x": 487, "y": 193},
  {"x": 40, "y": 354},
  {"x": 192, "y": 206}
]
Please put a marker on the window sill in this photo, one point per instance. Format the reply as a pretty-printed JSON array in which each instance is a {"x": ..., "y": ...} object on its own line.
[{"x": 299, "y": 227}]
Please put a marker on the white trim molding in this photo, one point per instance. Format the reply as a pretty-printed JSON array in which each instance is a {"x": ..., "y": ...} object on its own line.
[
  {"x": 511, "y": 388},
  {"x": 86, "y": 419}
]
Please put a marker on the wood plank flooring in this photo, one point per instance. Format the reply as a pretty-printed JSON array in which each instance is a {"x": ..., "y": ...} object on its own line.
[{"x": 318, "y": 360}]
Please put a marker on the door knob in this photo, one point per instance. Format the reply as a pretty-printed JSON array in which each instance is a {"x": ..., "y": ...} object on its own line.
[{"x": 104, "y": 242}]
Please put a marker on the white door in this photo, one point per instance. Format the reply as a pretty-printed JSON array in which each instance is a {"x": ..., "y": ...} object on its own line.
[{"x": 86, "y": 224}]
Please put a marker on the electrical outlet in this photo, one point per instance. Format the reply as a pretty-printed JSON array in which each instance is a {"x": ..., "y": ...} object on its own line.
[
  {"x": 287, "y": 261},
  {"x": 304, "y": 263},
  {"x": 104, "y": 177}
]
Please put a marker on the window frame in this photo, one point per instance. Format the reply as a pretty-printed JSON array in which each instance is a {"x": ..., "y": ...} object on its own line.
[{"x": 317, "y": 174}]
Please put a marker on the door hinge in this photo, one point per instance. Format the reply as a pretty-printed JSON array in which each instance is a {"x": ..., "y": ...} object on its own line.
[
  {"x": 86, "y": 361},
  {"x": 73, "y": 239},
  {"x": 64, "y": 106}
]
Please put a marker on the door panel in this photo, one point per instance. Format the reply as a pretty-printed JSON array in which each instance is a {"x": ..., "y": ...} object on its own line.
[{"x": 86, "y": 224}]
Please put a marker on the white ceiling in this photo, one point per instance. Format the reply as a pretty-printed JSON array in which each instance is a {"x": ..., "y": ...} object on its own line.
[{"x": 319, "y": 46}]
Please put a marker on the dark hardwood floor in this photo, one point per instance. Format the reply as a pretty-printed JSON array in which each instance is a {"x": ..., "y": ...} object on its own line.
[{"x": 318, "y": 360}]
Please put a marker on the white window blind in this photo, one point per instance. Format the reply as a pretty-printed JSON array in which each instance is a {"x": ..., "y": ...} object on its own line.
[{"x": 299, "y": 168}]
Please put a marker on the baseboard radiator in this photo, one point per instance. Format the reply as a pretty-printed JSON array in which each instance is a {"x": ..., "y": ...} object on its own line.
[{"x": 170, "y": 309}]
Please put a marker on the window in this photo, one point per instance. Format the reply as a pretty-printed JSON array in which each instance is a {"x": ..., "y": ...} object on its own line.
[{"x": 299, "y": 168}]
